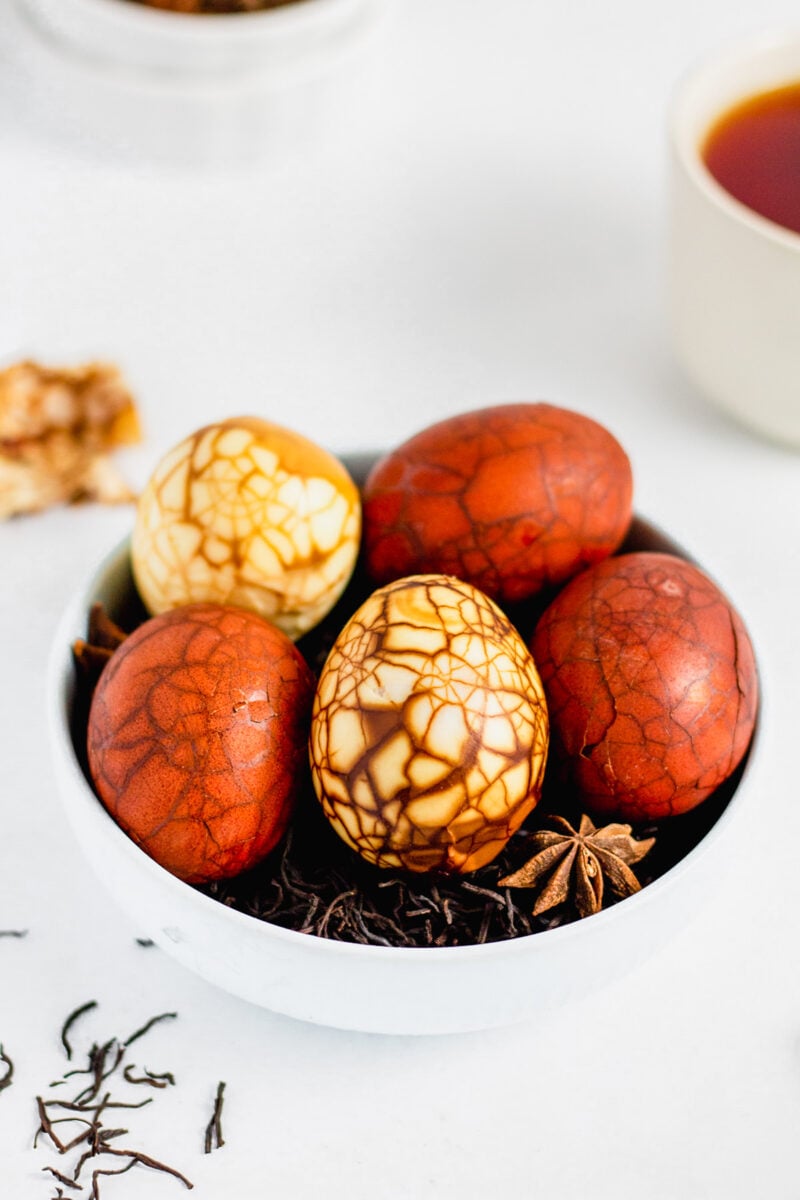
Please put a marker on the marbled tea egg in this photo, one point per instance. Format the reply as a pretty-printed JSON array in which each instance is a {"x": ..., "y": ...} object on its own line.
[
  {"x": 652, "y": 686},
  {"x": 197, "y": 738},
  {"x": 513, "y": 498},
  {"x": 245, "y": 512},
  {"x": 429, "y": 729}
]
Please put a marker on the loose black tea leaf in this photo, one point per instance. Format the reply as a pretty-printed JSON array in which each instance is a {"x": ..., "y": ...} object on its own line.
[
  {"x": 214, "y": 1138},
  {"x": 13, "y": 933},
  {"x": 104, "y": 1062},
  {"x": 71, "y": 1019},
  {"x": 314, "y": 884},
  {"x": 146, "y": 1028},
  {"x": 46, "y": 1124},
  {"x": 156, "y": 1081},
  {"x": 145, "y": 942},
  {"x": 70, "y": 1183},
  {"x": 136, "y": 1156},
  {"x": 7, "y": 1077},
  {"x": 95, "y": 1192}
]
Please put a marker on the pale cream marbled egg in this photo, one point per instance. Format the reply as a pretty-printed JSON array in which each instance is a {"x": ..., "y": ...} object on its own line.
[
  {"x": 430, "y": 729},
  {"x": 245, "y": 512}
]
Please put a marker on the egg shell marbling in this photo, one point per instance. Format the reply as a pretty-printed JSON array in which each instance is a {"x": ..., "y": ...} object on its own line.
[
  {"x": 248, "y": 513},
  {"x": 651, "y": 683},
  {"x": 197, "y": 738},
  {"x": 429, "y": 730},
  {"x": 513, "y": 498}
]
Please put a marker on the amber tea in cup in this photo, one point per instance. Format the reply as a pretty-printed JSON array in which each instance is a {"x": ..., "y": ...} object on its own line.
[
  {"x": 734, "y": 231},
  {"x": 753, "y": 151}
]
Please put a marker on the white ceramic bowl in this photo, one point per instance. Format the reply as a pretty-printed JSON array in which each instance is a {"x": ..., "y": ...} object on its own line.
[
  {"x": 188, "y": 87},
  {"x": 368, "y": 988},
  {"x": 734, "y": 276}
]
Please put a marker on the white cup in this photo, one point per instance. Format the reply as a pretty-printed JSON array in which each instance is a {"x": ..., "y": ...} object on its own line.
[{"x": 734, "y": 276}]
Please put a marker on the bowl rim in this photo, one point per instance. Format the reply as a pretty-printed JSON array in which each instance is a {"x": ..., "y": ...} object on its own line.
[
  {"x": 59, "y": 684},
  {"x": 293, "y": 17},
  {"x": 144, "y": 53}
]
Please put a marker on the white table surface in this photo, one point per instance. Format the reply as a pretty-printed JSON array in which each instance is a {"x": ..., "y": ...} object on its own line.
[{"x": 491, "y": 228}]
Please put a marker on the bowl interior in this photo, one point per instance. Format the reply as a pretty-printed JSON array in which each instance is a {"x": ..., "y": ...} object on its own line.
[{"x": 219, "y": 931}]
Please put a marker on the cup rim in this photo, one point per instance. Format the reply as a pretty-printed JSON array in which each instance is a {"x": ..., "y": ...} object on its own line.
[{"x": 687, "y": 130}]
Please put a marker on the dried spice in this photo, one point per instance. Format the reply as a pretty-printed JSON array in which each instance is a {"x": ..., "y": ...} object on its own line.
[
  {"x": 214, "y": 1138},
  {"x": 69, "y": 1022},
  {"x": 134, "y": 1037},
  {"x": 316, "y": 885},
  {"x": 7, "y": 1077},
  {"x": 93, "y": 1139},
  {"x": 103, "y": 637},
  {"x": 135, "y": 1156},
  {"x": 573, "y": 866},
  {"x": 150, "y": 1077}
]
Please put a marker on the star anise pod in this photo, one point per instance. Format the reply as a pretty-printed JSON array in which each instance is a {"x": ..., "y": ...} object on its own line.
[
  {"x": 102, "y": 639},
  {"x": 574, "y": 866}
]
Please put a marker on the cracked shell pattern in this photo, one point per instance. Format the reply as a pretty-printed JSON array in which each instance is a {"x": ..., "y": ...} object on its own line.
[
  {"x": 651, "y": 684},
  {"x": 429, "y": 730},
  {"x": 197, "y": 738},
  {"x": 513, "y": 498},
  {"x": 247, "y": 513}
]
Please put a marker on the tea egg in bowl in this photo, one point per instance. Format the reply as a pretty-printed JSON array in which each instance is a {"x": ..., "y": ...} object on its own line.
[{"x": 394, "y": 989}]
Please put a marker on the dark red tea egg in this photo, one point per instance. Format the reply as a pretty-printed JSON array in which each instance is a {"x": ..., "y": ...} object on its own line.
[
  {"x": 197, "y": 738},
  {"x": 651, "y": 686},
  {"x": 512, "y": 499}
]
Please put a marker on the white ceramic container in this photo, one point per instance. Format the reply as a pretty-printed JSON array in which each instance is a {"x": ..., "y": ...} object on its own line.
[
  {"x": 192, "y": 88},
  {"x": 734, "y": 276},
  {"x": 370, "y": 988}
]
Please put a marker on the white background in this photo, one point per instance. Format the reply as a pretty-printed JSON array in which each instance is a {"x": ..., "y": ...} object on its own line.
[{"x": 489, "y": 227}]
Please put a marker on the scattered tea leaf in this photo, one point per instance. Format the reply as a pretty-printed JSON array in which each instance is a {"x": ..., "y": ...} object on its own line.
[
  {"x": 70, "y": 1183},
  {"x": 136, "y": 1156},
  {"x": 104, "y": 1062},
  {"x": 214, "y": 1139},
  {"x": 70, "y": 1021},
  {"x": 7, "y": 1077},
  {"x": 149, "y": 1077},
  {"x": 148, "y": 1026}
]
